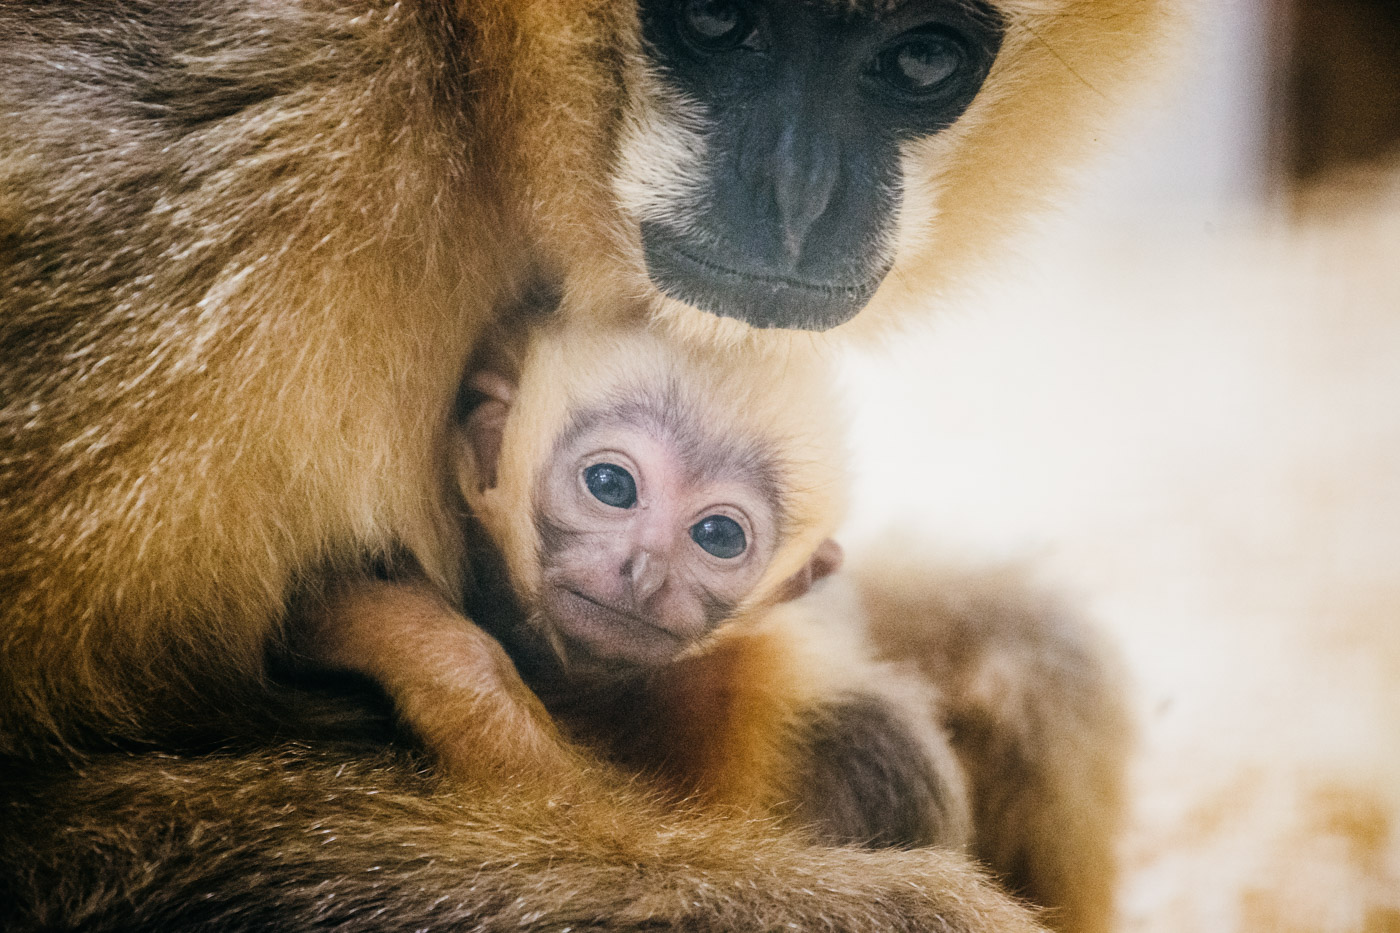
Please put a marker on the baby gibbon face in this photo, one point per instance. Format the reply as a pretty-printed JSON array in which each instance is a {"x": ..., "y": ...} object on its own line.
[
  {"x": 650, "y": 535},
  {"x": 651, "y": 493}
]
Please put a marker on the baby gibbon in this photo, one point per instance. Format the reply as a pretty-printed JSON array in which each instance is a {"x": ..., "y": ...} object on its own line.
[{"x": 628, "y": 572}]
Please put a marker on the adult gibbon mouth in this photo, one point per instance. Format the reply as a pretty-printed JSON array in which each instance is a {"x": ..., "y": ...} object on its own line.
[{"x": 757, "y": 298}]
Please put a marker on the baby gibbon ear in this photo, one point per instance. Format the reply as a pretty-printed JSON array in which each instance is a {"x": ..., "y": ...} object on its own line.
[
  {"x": 826, "y": 560},
  {"x": 485, "y": 424}
]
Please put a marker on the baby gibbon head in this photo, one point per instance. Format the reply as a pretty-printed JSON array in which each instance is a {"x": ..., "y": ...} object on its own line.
[{"x": 643, "y": 491}]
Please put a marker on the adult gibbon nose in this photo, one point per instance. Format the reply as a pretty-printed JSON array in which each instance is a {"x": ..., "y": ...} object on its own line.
[
  {"x": 646, "y": 572},
  {"x": 803, "y": 178}
]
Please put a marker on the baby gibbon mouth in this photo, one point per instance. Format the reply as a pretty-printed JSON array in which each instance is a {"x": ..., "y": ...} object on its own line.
[
  {"x": 613, "y": 610},
  {"x": 607, "y": 633}
]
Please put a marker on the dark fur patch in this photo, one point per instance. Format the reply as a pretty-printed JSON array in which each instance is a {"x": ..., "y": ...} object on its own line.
[{"x": 868, "y": 780}]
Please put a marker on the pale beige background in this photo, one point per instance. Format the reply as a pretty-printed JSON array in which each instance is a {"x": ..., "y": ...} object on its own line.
[{"x": 1185, "y": 412}]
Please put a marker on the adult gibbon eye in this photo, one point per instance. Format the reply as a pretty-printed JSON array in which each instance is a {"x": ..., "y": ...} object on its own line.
[
  {"x": 720, "y": 536},
  {"x": 611, "y": 485},
  {"x": 716, "y": 25},
  {"x": 920, "y": 64}
]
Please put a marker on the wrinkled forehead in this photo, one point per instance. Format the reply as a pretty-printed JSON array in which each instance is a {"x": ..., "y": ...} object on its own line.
[{"x": 709, "y": 449}]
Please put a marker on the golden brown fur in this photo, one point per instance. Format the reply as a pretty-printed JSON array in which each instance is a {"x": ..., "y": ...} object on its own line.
[
  {"x": 245, "y": 250},
  {"x": 357, "y": 839}
]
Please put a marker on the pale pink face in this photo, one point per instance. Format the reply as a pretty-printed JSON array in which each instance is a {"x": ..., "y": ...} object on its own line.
[{"x": 651, "y": 531}]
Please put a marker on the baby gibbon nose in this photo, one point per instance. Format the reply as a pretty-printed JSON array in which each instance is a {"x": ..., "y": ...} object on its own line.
[{"x": 646, "y": 570}]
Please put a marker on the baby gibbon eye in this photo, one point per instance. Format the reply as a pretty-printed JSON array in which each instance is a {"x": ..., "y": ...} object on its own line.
[
  {"x": 611, "y": 485},
  {"x": 720, "y": 536},
  {"x": 716, "y": 25},
  {"x": 920, "y": 63}
]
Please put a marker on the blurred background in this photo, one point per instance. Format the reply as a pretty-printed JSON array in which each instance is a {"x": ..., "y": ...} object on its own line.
[{"x": 1179, "y": 404}]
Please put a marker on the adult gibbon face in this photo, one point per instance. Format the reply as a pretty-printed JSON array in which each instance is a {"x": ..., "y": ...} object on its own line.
[{"x": 765, "y": 167}]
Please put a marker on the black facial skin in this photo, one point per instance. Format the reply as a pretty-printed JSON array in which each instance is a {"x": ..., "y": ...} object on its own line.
[{"x": 807, "y": 105}]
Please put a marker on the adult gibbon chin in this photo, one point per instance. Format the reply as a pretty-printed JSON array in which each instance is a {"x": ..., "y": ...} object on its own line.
[{"x": 246, "y": 249}]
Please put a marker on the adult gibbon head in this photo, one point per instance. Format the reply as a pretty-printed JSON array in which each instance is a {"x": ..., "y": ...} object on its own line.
[{"x": 791, "y": 163}]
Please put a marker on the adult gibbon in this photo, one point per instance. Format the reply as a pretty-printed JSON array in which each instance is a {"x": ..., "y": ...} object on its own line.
[{"x": 246, "y": 249}]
